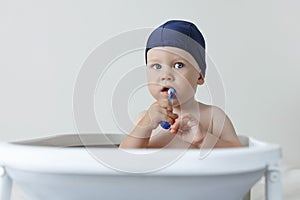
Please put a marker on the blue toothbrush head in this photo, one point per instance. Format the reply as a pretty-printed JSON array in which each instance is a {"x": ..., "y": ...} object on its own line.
[{"x": 171, "y": 92}]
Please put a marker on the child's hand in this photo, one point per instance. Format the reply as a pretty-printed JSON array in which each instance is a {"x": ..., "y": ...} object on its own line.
[
  {"x": 188, "y": 129},
  {"x": 159, "y": 111}
]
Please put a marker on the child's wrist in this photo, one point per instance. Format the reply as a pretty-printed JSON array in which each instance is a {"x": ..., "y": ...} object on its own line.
[
  {"x": 145, "y": 124},
  {"x": 141, "y": 131}
]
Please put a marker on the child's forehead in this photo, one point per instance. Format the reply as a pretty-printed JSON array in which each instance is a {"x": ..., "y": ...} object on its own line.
[
  {"x": 169, "y": 50},
  {"x": 161, "y": 53}
]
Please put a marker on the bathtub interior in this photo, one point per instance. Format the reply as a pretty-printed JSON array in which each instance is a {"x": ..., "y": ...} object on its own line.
[
  {"x": 49, "y": 185},
  {"x": 90, "y": 140},
  {"x": 76, "y": 140}
]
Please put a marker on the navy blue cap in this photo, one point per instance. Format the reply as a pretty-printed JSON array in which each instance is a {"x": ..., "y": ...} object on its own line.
[{"x": 181, "y": 34}]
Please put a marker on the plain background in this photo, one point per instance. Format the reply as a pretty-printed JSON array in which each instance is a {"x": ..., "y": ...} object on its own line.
[{"x": 254, "y": 44}]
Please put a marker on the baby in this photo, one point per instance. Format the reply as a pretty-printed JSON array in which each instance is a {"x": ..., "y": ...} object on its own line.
[{"x": 175, "y": 58}]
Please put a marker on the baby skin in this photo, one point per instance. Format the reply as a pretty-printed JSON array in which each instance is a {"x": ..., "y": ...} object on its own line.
[{"x": 193, "y": 124}]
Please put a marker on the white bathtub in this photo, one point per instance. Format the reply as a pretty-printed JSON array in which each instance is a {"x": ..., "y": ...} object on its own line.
[{"x": 59, "y": 167}]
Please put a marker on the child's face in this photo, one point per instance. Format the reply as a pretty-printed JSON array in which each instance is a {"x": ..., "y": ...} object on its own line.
[{"x": 172, "y": 67}]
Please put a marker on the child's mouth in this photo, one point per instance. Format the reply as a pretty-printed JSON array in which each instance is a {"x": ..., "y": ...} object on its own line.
[{"x": 165, "y": 89}]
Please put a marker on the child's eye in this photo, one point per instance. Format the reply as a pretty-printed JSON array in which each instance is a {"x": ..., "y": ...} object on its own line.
[
  {"x": 156, "y": 66},
  {"x": 178, "y": 65}
]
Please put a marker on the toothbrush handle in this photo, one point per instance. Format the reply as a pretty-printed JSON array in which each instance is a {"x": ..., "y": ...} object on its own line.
[{"x": 165, "y": 125}]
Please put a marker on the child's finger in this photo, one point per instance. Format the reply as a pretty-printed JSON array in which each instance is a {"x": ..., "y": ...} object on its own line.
[
  {"x": 191, "y": 120},
  {"x": 175, "y": 127},
  {"x": 168, "y": 114},
  {"x": 172, "y": 115},
  {"x": 164, "y": 103},
  {"x": 169, "y": 117},
  {"x": 184, "y": 122}
]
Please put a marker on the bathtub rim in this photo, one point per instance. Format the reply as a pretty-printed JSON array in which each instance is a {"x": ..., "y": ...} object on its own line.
[{"x": 259, "y": 156}]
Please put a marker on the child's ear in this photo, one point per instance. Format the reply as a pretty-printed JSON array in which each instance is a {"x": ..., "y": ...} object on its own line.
[{"x": 200, "y": 79}]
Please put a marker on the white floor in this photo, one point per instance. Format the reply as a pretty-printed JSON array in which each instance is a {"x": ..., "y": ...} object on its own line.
[{"x": 17, "y": 194}]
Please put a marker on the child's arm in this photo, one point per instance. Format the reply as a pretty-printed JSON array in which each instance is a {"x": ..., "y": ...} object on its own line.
[
  {"x": 138, "y": 138},
  {"x": 223, "y": 130},
  {"x": 140, "y": 135}
]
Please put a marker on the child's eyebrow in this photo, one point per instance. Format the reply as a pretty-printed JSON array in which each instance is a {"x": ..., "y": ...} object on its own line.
[
  {"x": 172, "y": 60},
  {"x": 179, "y": 58},
  {"x": 154, "y": 60}
]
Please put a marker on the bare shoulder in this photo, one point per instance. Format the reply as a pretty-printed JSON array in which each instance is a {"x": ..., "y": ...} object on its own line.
[
  {"x": 221, "y": 125},
  {"x": 211, "y": 111}
]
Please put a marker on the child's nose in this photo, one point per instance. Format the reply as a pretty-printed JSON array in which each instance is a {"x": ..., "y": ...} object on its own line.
[{"x": 167, "y": 75}]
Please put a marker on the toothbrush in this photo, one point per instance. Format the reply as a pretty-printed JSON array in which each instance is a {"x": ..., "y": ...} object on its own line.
[{"x": 165, "y": 124}]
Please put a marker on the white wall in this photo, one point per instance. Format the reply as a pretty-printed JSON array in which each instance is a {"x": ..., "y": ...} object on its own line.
[{"x": 254, "y": 45}]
